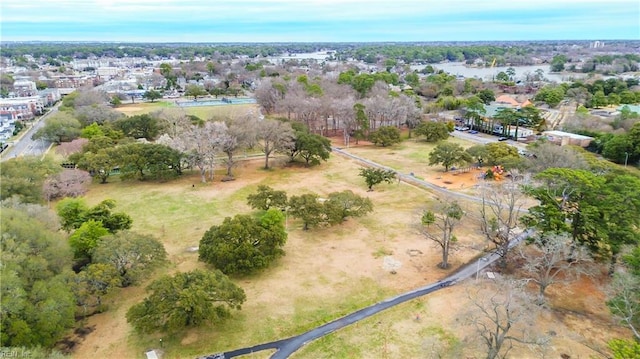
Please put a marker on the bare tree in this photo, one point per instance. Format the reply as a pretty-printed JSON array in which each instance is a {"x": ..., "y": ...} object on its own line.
[
  {"x": 201, "y": 144},
  {"x": 66, "y": 149},
  {"x": 173, "y": 121},
  {"x": 548, "y": 155},
  {"x": 308, "y": 110},
  {"x": 268, "y": 94},
  {"x": 503, "y": 316},
  {"x": 336, "y": 100},
  {"x": 67, "y": 183},
  {"x": 289, "y": 103},
  {"x": 96, "y": 113},
  {"x": 378, "y": 105},
  {"x": 216, "y": 132},
  {"x": 445, "y": 218},
  {"x": 624, "y": 300},
  {"x": 553, "y": 259},
  {"x": 500, "y": 214},
  {"x": 274, "y": 136},
  {"x": 241, "y": 133},
  {"x": 89, "y": 96}
]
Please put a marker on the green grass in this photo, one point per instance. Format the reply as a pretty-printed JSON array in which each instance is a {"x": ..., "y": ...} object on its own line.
[
  {"x": 213, "y": 112},
  {"x": 203, "y": 112},
  {"x": 381, "y": 252},
  {"x": 180, "y": 211},
  {"x": 393, "y": 333},
  {"x": 174, "y": 216},
  {"x": 246, "y": 328}
]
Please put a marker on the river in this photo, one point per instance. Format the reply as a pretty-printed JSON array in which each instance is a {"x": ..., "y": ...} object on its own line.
[
  {"x": 487, "y": 73},
  {"x": 457, "y": 68}
]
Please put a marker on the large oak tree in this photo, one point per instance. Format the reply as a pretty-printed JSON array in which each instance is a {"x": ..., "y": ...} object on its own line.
[{"x": 186, "y": 300}]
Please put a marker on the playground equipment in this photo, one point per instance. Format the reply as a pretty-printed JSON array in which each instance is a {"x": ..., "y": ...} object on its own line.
[{"x": 494, "y": 173}]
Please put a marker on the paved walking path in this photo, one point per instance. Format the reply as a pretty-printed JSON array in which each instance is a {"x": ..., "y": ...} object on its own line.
[{"x": 286, "y": 347}]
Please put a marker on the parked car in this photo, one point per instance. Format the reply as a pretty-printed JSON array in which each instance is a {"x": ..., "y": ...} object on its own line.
[
  {"x": 473, "y": 132},
  {"x": 502, "y": 138}
]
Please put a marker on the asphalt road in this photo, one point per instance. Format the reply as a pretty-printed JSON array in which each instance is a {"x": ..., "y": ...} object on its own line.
[
  {"x": 286, "y": 347},
  {"x": 25, "y": 146}
]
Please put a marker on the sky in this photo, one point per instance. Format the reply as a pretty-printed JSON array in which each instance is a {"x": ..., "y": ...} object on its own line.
[{"x": 317, "y": 20}]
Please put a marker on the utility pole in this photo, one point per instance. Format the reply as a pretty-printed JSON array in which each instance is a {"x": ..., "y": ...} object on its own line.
[{"x": 626, "y": 158}]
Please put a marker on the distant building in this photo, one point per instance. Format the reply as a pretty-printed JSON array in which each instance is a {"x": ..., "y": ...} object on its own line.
[
  {"x": 567, "y": 138},
  {"x": 107, "y": 73},
  {"x": 50, "y": 96},
  {"x": 21, "y": 108},
  {"x": 23, "y": 88},
  {"x": 508, "y": 100},
  {"x": 7, "y": 126},
  {"x": 73, "y": 81}
]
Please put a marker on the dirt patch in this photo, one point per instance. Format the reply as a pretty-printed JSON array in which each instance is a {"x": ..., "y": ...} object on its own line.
[
  {"x": 69, "y": 344},
  {"x": 457, "y": 179}
]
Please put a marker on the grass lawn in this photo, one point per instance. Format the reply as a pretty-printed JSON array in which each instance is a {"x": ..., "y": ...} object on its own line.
[
  {"x": 299, "y": 292},
  {"x": 406, "y": 157},
  {"x": 203, "y": 112},
  {"x": 326, "y": 272}
]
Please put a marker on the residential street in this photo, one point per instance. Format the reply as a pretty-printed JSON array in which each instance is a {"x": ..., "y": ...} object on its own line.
[{"x": 25, "y": 146}]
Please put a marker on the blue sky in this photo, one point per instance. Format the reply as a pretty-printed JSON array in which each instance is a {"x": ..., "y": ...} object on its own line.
[{"x": 317, "y": 20}]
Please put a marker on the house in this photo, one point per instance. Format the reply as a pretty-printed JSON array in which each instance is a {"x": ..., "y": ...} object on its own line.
[
  {"x": 512, "y": 102},
  {"x": 490, "y": 124},
  {"x": 7, "y": 126}
]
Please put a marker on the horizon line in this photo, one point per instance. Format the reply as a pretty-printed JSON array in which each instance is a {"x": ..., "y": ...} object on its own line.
[{"x": 306, "y": 42}]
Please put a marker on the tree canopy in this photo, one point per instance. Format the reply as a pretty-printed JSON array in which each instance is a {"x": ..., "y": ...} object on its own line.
[
  {"x": 308, "y": 208},
  {"x": 132, "y": 254},
  {"x": 449, "y": 154},
  {"x": 432, "y": 131},
  {"x": 385, "y": 136},
  {"x": 597, "y": 211},
  {"x": 266, "y": 197},
  {"x": 342, "y": 205},
  {"x": 186, "y": 300},
  {"x": 152, "y": 95},
  {"x": 374, "y": 176},
  {"x": 59, "y": 128},
  {"x": 244, "y": 244},
  {"x": 24, "y": 178},
  {"x": 311, "y": 147},
  {"x": 37, "y": 304},
  {"x": 73, "y": 212}
]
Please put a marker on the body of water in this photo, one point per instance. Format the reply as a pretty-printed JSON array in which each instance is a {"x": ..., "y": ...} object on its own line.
[
  {"x": 318, "y": 56},
  {"x": 218, "y": 102},
  {"x": 488, "y": 73}
]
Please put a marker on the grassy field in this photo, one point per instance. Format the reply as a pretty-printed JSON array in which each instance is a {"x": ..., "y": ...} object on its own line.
[
  {"x": 203, "y": 112},
  {"x": 347, "y": 277},
  {"x": 326, "y": 273}
]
